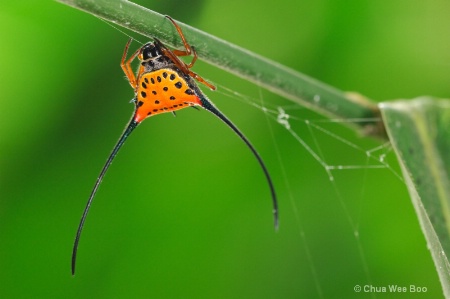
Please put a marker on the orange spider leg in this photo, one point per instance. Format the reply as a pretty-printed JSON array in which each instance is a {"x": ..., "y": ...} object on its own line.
[
  {"x": 173, "y": 54},
  {"x": 188, "y": 50},
  {"x": 183, "y": 66},
  {"x": 186, "y": 53},
  {"x": 194, "y": 59},
  {"x": 201, "y": 80},
  {"x": 126, "y": 65}
]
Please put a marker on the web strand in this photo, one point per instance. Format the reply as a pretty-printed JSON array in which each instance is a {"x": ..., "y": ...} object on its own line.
[
  {"x": 372, "y": 159},
  {"x": 301, "y": 231}
]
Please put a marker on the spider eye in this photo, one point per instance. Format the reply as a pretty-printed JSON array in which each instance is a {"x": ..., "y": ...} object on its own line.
[{"x": 150, "y": 51}]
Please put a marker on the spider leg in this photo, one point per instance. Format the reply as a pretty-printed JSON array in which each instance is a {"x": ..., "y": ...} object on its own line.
[
  {"x": 126, "y": 65},
  {"x": 201, "y": 80},
  {"x": 188, "y": 50},
  {"x": 194, "y": 59},
  {"x": 181, "y": 65},
  {"x": 208, "y": 105},
  {"x": 187, "y": 47}
]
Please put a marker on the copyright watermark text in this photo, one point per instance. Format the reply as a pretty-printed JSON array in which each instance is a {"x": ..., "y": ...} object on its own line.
[{"x": 391, "y": 288}]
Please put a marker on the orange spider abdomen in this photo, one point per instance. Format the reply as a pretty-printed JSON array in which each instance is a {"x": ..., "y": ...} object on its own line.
[{"x": 162, "y": 91}]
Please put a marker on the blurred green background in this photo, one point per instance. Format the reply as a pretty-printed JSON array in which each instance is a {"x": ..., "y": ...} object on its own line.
[{"x": 184, "y": 211}]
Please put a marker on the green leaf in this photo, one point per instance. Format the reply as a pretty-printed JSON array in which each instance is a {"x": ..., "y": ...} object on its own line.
[
  {"x": 419, "y": 130},
  {"x": 268, "y": 74}
]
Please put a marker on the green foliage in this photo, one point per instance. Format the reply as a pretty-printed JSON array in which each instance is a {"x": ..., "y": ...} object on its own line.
[
  {"x": 268, "y": 74},
  {"x": 184, "y": 211},
  {"x": 420, "y": 133}
]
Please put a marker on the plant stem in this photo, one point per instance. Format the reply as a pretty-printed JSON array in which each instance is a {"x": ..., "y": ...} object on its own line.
[{"x": 270, "y": 75}]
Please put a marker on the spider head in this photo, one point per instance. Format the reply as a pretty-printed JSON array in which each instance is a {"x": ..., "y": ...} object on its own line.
[{"x": 149, "y": 51}]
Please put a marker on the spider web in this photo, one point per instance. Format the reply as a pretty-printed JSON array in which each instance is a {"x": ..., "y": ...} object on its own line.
[
  {"x": 327, "y": 172},
  {"x": 349, "y": 159}
]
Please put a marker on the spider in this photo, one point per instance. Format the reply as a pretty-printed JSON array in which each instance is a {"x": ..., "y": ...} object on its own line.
[{"x": 164, "y": 83}]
